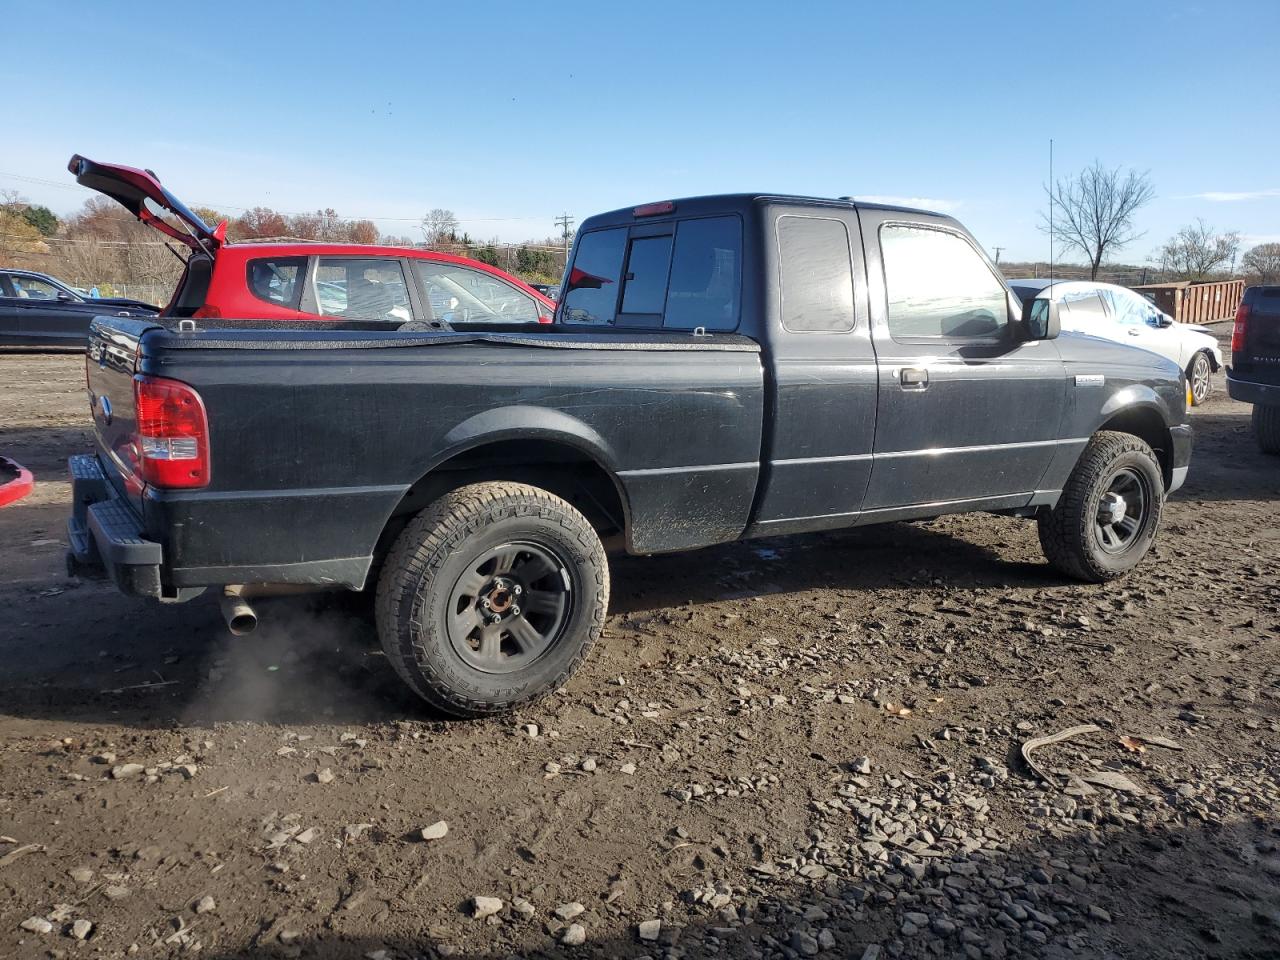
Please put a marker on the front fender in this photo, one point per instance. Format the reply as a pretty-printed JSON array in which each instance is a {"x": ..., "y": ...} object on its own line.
[{"x": 1134, "y": 397}]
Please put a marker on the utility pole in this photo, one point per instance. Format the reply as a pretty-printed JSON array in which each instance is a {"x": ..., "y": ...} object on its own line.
[
  {"x": 998, "y": 250},
  {"x": 564, "y": 222}
]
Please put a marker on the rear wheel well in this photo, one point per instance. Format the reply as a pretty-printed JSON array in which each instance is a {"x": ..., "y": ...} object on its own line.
[
  {"x": 558, "y": 468},
  {"x": 1147, "y": 425}
]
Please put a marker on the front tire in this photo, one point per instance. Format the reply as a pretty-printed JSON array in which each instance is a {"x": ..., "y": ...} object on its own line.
[
  {"x": 1266, "y": 428},
  {"x": 491, "y": 598},
  {"x": 1107, "y": 517},
  {"x": 1200, "y": 378}
]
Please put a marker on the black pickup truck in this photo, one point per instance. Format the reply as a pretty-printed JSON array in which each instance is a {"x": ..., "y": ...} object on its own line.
[
  {"x": 720, "y": 368},
  {"x": 1254, "y": 376}
]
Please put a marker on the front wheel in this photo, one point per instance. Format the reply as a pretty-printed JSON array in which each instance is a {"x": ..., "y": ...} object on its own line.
[
  {"x": 1200, "y": 378},
  {"x": 1106, "y": 519},
  {"x": 491, "y": 598}
]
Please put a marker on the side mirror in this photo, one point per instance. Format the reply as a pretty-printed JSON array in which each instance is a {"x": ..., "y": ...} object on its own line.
[
  {"x": 64, "y": 297},
  {"x": 1040, "y": 320}
]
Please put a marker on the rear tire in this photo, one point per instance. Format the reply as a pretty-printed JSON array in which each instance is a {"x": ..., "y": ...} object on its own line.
[
  {"x": 1109, "y": 511},
  {"x": 1266, "y": 428},
  {"x": 1200, "y": 378},
  {"x": 491, "y": 598}
]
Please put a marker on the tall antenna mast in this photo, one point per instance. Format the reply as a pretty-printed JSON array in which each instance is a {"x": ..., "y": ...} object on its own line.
[{"x": 1051, "y": 206}]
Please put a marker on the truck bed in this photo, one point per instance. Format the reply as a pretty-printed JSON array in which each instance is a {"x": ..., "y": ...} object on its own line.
[{"x": 319, "y": 434}]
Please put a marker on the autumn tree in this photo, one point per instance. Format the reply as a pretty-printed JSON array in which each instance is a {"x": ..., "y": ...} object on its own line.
[
  {"x": 1196, "y": 251},
  {"x": 1093, "y": 211},
  {"x": 362, "y": 231},
  {"x": 1263, "y": 262},
  {"x": 261, "y": 222}
]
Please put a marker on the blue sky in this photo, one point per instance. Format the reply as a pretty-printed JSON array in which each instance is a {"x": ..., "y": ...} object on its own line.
[{"x": 509, "y": 114}]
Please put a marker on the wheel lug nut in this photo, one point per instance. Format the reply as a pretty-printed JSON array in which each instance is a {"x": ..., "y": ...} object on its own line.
[{"x": 515, "y": 610}]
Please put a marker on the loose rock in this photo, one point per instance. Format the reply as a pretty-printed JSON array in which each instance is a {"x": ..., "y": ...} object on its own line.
[{"x": 436, "y": 831}]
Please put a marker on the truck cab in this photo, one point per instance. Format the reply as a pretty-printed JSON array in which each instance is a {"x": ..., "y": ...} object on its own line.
[{"x": 904, "y": 378}]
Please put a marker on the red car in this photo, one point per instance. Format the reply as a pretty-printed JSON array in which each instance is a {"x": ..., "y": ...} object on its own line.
[{"x": 314, "y": 281}]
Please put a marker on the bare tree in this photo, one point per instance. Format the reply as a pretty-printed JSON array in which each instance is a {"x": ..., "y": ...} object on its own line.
[
  {"x": 1263, "y": 262},
  {"x": 439, "y": 225},
  {"x": 1196, "y": 251},
  {"x": 1093, "y": 211}
]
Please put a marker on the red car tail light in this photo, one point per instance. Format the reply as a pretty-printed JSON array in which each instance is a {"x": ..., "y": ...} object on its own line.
[
  {"x": 1240, "y": 328},
  {"x": 173, "y": 433}
]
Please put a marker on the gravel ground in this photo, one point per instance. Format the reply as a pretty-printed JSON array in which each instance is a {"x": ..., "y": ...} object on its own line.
[{"x": 806, "y": 746}]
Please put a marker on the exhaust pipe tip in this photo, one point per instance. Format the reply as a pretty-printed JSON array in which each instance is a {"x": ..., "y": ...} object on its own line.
[{"x": 240, "y": 617}]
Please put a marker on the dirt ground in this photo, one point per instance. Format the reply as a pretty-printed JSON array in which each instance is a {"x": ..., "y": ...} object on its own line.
[{"x": 806, "y": 746}]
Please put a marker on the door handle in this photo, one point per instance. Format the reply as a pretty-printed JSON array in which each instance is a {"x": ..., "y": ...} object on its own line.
[{"x": 913, "y": 378}]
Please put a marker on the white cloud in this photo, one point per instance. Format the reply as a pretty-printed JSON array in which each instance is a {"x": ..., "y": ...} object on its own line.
[
  {"x": 1225, "y": 196},
  {"x": 924, "y": 203},
  {"x": 1248, "y": 240}
]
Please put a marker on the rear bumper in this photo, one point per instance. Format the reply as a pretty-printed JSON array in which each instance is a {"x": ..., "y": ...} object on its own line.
[
  {"x": 1252, "y": 391},
  {"x": 106, "y": 536}
]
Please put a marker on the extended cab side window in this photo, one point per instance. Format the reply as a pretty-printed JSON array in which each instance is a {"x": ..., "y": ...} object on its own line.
[
  {"x": 817, "y": 279},
  {"x": 938, "y": 287},
  {"x": 362, "y": 288}
]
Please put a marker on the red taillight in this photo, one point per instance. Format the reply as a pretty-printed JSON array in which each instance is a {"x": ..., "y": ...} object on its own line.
[
  {"x": 1238, "y": 331},
  {"x": 545, "y": 318},
  {"x": 173, "y": 433}
]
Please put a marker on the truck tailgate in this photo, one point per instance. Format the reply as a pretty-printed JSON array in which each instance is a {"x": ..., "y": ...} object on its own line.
[{"x": 109, "y": 369}]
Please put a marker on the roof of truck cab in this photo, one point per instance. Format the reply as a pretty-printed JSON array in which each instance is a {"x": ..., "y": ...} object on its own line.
[{"x": 721, "y": 202}]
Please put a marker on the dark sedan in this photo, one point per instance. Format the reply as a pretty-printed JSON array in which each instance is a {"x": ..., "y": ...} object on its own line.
[{"x": 38, "y": 311}]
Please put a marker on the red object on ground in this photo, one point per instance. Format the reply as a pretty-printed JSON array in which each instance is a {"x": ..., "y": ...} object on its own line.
[{"x": 15, "y": 481}]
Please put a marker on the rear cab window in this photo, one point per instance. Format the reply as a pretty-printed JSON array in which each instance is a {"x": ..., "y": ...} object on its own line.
[{"x": 680, "y": 275}]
